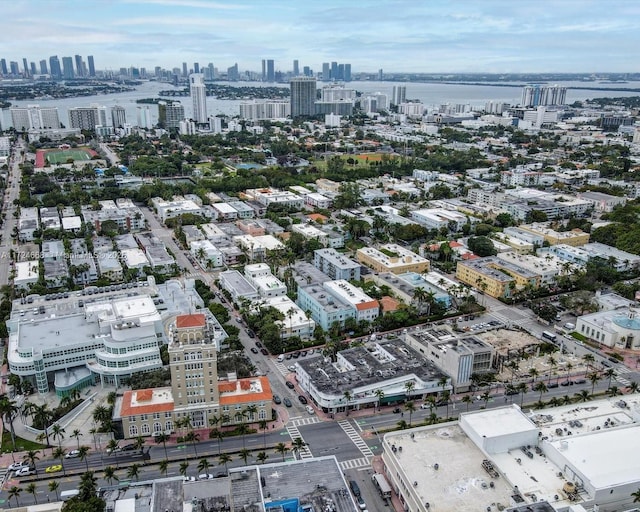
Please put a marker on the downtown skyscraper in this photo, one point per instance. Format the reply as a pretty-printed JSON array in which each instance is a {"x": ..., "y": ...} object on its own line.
[{"x": 199, "y": 97}]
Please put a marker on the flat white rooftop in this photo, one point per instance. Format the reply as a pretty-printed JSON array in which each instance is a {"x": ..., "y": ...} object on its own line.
[
  {"x": 499, "y": 422},
  {"x": 607, "y": 459},
  {"x": 460, "y": 484}
]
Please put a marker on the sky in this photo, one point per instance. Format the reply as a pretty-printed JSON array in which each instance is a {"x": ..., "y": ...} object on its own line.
[{"x": 422, "y": 36}]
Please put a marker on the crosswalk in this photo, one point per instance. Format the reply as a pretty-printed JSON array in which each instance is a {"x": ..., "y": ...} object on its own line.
[
  {"x": 623, "y": 380},
  {"x": 282, "y": 368},
  {"x": 304, "y": 452},
  {"x": 362, "y": 462},
  {"x": 355, "y": 438},
  {"x": 309, "y": 420}
]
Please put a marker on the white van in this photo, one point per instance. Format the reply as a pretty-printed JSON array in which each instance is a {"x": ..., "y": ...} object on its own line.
[
  {"x": 67, "y": 495},
  {"x": 281, "y": 358}
]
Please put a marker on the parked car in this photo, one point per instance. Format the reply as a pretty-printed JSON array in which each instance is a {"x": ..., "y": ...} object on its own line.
[
  {"x": 289, "y": 385},
  {"x": 303, "y": 400},
  {"x": 26, "y": 471},
  {"x": 72, "y": 454},
  {"x": 310, "y": 409},
  {"x": 206, "y": 476},
  {"x": 254, "y": 350},
  {"x": 251, "y": 334},
  {"x": 258, "y": 344},
  {"x": 18, "y": 465},
  {"x": 128, "y": 447},
  {"x": 276, "y": 399},
  {"x": 264, "y": 351},
  {"x": 397, "y": 410},
  {"x": 287, "y": 402}
]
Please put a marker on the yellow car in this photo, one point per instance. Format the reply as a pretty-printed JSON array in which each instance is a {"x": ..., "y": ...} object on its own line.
[{"x": 53, "y": 469}]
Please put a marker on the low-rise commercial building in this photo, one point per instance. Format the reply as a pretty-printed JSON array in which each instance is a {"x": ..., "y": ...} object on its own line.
[
  {"x": 457, "y": 356},
  {"x": 392, "y": 258},
  {"x": 604, "y": 203},
  {"x": 502, "y": 457},
  {"x": 113, "y": 334},
  {"x": 575, "y": 237},
  {"x": 496, "y": 277},
  {"x": 336, "y": 265},
  {"x": 26, "y": 274},
  {"x": 174, "y": 208},
  {"x": 269, "y": 196},
  {"x": 126, "y": 215},
  {"x": 439, "y": 218},
  {"x": 28, "y": 224},
  {"x": 238, "y": 286},
  {"x": 296, "y": 322},
  {"x": 207, "y": 254},
  {"x": 386, "y": 365}
]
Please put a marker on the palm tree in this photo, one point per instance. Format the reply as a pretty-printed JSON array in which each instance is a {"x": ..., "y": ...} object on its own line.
[
  {"x": 53, "y": 487},
  {"x": 41, "y": 417},
  {"x": 282, "y": 449},
  {"x": 636, "y": 496},
  {"x": 409, "y": 386},
  {"x": 251, "y": 411},
  {"x": 59, "y": 453},
  {"x": 262, "y": 457},
  {"x": 83, "y": 451},
  {"x": 522, "y": 389},
  {"x": 243, "y": 429},
  {"x": 215, "y": 433},
  {"x": 534, "y": 373},
  {"x": 163, "y": 466},
  {"x": 33, "y": 489},
  {"x": 57, "y": 432},
  {"x": 110, "y": 474},
  {"x": 14, "y": 492},
  {"x": 467, "y": 400},
  {"x": 93, "y": 431},
  {"x": 633, "y": 387},
  {"x": 183, "y": 468},
  {"x": 583, "y": 395},
  {"x": 244, "y": 455},
  {"x": 431, "y": 419},
  {"x": 264, "y": 426},
  {"x": 411, "y": 407},
  {"x": 31, "y": 457},
  {"x": 610, "y": 373},
  {"x": 112, "y": 448},
  {"x": 594, "y": 378},
  {"x": 204, "y": 465},
  {"x": 589, "y": 359},
  {"x": 297, "y": 445},
  {"x": 163, "y": 437},
  {"x": 134, "y": 471},
  {"x": 486, "y": 396},
  {"x": 8, "y": 410},
  {"x": 542, "y": 388},
  {"x": 402, "y": 424},
  {"x": 225, "y": 458},
  {"x": 552, "y": 364},
  {"x": 348, "y": 396},
  {"x": 379, "y": 396},
  {"x": 193, "y": 438},
  {"x": 613, "y": 391},
  {"x": 138, "y": 443},
  {"x": 569, "y": 368},
  {"x": 77, "y": 434}
]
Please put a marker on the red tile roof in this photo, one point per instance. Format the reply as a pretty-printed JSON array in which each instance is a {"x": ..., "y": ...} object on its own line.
[
  {"x": 131, "y": 409},
  {"x": 195, "y": 320},
  {"x": 243, "y": 398}
]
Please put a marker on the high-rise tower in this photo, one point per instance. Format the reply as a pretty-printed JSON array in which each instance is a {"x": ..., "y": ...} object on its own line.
[
  {"x": 271, "y": 72},
  {"x": 198, "y": 97},
  {"x": 303, "y": 96},
  {"x": 92, "y": 67}
]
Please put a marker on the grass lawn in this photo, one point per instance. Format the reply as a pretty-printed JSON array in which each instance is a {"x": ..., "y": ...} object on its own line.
[
  {"x": 360, "y": 159},
  {"x": 22, "y": 445}
]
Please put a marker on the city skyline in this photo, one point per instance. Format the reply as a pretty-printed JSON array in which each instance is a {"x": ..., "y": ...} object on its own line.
[{"x": 399, "y": 36}]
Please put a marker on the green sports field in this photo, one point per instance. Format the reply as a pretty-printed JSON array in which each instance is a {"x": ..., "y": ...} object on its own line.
[{"x": 60, "y": 156}]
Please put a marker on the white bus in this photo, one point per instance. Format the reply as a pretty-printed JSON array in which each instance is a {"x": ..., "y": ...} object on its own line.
[
  {"x": 383, "y": 486},
  {"x": 549, "y": 335}
]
